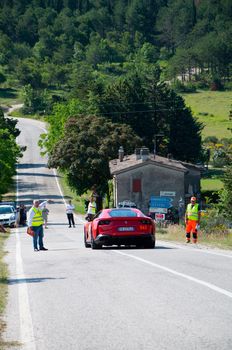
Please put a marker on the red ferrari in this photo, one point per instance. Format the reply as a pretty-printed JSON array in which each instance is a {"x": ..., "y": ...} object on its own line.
[{"x": 121, "y": 226}]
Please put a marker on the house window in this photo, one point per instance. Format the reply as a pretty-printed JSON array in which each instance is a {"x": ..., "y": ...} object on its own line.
[{"x": 136, "y": 187}]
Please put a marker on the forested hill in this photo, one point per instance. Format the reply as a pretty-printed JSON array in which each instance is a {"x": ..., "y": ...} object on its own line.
[
  {"x": 53, "y": 34},
  {"x": 100, "y": 72}
]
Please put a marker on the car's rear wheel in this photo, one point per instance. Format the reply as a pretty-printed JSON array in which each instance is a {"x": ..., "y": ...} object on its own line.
[
  {"x": 87, "y": 245},
  {"x": 94, "y": 245}
]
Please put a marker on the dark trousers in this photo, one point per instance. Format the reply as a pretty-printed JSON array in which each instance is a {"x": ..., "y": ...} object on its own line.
[
  {"x": 70, "y": 220},
  {"x": 38, "y": 235}
]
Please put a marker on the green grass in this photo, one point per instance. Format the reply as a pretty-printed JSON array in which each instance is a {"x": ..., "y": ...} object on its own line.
[
  {"x": 211, "y": 184},
  {"x": 212, "y": 180},
  {"x": 9, "y": 97},
  {"x": 176, "y": 233},
  {"x": 3, "y": 290},
  {"x": 212, "y": 108},
  {"x": 78, "y": 201}
]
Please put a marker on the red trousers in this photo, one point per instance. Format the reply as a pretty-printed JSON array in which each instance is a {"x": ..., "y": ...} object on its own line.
[{"x": 191, "y": 228}]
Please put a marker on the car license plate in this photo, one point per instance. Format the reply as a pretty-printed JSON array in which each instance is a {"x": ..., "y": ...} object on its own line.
[{"x": 128, "y": 228}]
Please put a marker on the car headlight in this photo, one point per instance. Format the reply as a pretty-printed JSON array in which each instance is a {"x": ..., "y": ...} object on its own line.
[{"x": 12, "y": 217}]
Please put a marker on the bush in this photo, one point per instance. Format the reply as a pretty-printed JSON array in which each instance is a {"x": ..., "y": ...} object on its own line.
[
  {"x": 214, "y": 223},
  {"x": 228, "y": 85},
  {"x": 178, "y": 86}
]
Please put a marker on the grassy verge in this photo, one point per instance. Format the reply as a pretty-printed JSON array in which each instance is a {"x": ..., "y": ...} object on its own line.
[
  {"x": 78, "y": 201},
  {"x": 9, "y": 96},
  {"x": 18, "y": 114},
  {"x": 212, "y": 109},
  {"x": 176, "y": 233}
]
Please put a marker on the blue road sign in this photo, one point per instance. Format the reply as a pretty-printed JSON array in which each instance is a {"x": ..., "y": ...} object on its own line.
[{"x": 160, "y": 202}]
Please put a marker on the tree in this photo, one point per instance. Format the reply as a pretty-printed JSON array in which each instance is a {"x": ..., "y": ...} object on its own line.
[
  {"x": 84, "y": 151},
  {"x": 8, "y": 124},
  {"x": 2, "y": 78},
  {"x": 35, "y": 100},
  {"x": 226, "y": 195},
  {"x": 150, "y": 107},
  {"x": 9, "y": 152}
]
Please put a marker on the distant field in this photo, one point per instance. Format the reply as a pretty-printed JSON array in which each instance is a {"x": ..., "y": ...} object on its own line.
[
  {"x": 211, "y": 184},
  {"x": 212, "y": 108},
  {"x": 8, "y": 97}
]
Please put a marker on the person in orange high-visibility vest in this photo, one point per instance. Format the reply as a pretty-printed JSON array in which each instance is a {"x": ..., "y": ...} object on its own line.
[{"x": 192, "y": 220}]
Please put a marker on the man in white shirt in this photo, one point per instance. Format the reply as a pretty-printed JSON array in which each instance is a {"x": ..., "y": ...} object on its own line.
[
  {"x": 69, "y": 211},
  {"x": 35, "y": 223},
  {"x": 91, "y": 212}
]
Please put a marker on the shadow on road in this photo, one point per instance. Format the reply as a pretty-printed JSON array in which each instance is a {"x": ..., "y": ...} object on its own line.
[
  {"x": 36, "y": 174},
  {"x": 133, "y": 247},
  {"x": 32, "y": 280},
  {"x": 31, "y": 165}
]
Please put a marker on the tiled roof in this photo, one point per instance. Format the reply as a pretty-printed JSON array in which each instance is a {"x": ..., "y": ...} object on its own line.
[{"x": 130, "y": 161}]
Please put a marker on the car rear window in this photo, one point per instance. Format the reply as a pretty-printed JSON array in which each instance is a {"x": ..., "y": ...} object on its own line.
[{"x": 117, "y": 213}]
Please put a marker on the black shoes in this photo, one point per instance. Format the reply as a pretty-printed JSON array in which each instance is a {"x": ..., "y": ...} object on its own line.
[
  {"x": 36, "y": 250},
  {"x": 43, "y": 248}
]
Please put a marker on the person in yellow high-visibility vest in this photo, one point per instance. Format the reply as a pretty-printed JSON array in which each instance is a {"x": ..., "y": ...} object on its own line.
[
  {"x": 35, "y": 222},
  {"x": 192, "y": 220}
]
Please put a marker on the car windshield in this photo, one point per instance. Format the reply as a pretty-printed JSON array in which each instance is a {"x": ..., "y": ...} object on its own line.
[
  {"x": 6, "y": 210},
  {"x": 117, "y": 213}
]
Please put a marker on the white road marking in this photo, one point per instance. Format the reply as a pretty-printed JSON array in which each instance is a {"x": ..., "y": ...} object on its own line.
[
  {"x": 193, "y": 279},
  {"x": 26, "y": 325},
  {"x": 195, "y": 249}
]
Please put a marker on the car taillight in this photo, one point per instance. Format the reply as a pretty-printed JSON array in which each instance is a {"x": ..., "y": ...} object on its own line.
[
  {"x": 104, "y": 222},
  {"x": 145, "y": 222},
  {"x": 145, "y": 225}
]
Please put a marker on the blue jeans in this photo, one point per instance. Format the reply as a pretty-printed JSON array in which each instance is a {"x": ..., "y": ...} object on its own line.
[{"x": 38, "y": 230}]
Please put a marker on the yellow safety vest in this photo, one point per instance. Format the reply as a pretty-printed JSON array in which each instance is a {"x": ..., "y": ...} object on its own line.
[
  {"x": 192, "y": 212},
  {"x": 92, "y": 208},
  {"x": 37, "y": 218}
]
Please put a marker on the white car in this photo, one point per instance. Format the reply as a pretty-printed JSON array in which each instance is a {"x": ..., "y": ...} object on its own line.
[{"x": 7, "y": 215}]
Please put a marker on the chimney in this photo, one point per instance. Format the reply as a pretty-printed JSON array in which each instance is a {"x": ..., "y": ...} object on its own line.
[
  {"x": 120, "y": 153},
  {"x": 144, "y": 154},
  {"x": 137, "y": 153}
]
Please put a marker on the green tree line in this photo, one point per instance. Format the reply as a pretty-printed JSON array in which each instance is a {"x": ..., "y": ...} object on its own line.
[
  {"x": 9, "y": 151},
  {"x": 44, "y": 43}
]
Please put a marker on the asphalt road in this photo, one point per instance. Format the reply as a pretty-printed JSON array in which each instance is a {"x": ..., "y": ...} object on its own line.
[{"x": 70, "y": 297}]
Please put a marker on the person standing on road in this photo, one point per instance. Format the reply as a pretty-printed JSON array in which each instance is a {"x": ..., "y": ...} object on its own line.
[
  {"x": 45, "y": 213},
  {"x": 35, "y": 223},
  {"x": 91, "y": 209},
  {"x": 69, "y": 211},
  {"x": 192, "y": 220}
]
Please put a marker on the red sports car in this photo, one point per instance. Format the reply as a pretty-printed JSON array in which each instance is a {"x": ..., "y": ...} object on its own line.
[{"x": 121, "y": 226}]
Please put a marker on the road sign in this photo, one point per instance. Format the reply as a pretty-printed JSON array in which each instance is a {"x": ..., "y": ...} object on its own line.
[
  {"x": 158, "y": 210},
  {"x": 160, "y": 202},
  {"x": 167, "y": 193},
  {"x": 159, "y": 217}
]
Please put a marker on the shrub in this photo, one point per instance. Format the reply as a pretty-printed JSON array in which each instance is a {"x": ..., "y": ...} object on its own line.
[
  {"x": 228, "y": 85},
  {"x": 178, "y": 86},
  {"x": 214, "y": 223}
]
